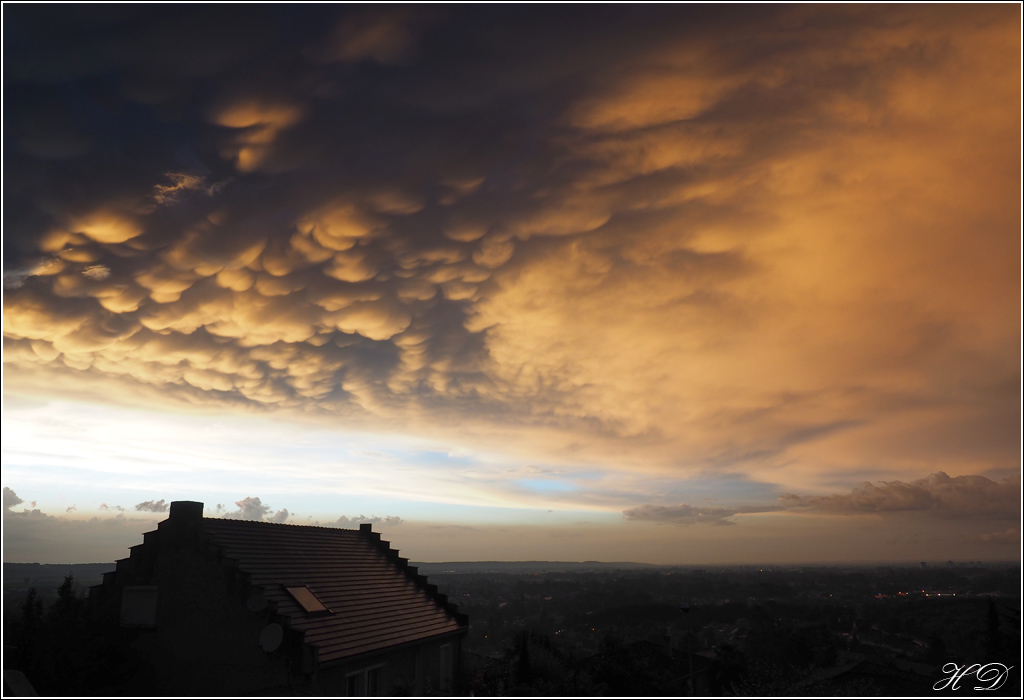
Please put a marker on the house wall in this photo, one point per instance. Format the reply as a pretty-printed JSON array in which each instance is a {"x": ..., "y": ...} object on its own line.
[
  {"x": 205, "y": 640},
  {"x": 414, "y": 670}
]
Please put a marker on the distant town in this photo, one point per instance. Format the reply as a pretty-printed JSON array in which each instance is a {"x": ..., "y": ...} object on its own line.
[{"x": 593, "y": 628}]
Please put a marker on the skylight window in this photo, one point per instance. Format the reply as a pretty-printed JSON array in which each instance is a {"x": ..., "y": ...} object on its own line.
[{"x": 307, "y": 599}]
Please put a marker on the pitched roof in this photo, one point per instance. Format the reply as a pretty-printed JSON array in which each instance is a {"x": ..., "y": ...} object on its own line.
[{"x": 375, "y": 599}]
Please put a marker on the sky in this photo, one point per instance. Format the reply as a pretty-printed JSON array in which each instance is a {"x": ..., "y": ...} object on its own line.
[{"x": 670, "y": 284}]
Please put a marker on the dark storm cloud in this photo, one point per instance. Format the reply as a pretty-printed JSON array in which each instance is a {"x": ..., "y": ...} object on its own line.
[
  {"x": 969, "y": 496},
  {"x": 50, "y": 44},
  {"x": 320, "y": 241},
  {"x": 610, "y": 222}
]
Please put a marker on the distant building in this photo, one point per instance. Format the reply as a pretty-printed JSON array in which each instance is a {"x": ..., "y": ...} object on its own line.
[
  {"x": 855, "y": 674},
  {"x": 646, "y": 667},
  {"x": 232, "y": 607}
]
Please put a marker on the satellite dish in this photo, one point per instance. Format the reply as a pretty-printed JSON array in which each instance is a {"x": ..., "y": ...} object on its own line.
[
  {"x": 256, "y": 602},
  {"x": 271, "y": 637}
]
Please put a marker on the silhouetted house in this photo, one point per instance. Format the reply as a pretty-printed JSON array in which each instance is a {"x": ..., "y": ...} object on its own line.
[{"x": 232, "y": 607}]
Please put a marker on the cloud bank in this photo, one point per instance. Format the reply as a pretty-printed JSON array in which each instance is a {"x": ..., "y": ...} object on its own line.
[
  {"x": 939, "y": 495},
  {"x": 682, "y": 514},
  {"x": 11, "y": 499},
  {"x": 969, "y": 496},
  {"x": 34, "y": 535},
  {"x": 386, "y": 521},
  {"x": 673, "y": 239}
]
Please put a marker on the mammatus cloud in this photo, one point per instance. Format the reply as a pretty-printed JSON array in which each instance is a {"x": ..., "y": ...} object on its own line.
[
  {"x": 602, "y": 244},
  {"x": 386, "y": 37},
  {"x": 153, "y": 506},
  {"x": 970, "y": 496}
]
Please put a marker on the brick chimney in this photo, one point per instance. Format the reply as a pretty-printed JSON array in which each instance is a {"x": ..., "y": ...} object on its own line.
[
  {"x": 182, "y": 525},
  {"x": 186, "y": 511}
]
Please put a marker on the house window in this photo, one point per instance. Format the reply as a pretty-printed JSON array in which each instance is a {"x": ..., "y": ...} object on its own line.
[
  {"x": 373, "y": 682},
  {"x": 138, "y": 606},
  {"x": 307, "y": 599},
  {"x": 447, "y": 658},
  {"x": 366, "y": 682},
  {"x": 354, "y": 684}
]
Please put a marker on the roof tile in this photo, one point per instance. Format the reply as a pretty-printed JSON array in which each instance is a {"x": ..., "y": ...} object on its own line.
[{"x": 376, "y": 601}]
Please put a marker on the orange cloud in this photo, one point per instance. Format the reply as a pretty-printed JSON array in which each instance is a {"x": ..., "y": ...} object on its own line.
[
  {"x": 384, "y": 37},
  {"x": 106, "y": 227},
  {"x": 258, "y": 122},
  {"x": 787, "y": 249}
]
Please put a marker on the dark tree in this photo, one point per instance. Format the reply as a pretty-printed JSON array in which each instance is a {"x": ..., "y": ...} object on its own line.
[
  {"x": 524, "y": 673},
  {"x": 31, "y": 619}
]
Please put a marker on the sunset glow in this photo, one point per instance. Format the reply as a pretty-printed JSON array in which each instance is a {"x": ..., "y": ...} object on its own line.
[{"x": 670, "y": 284}]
